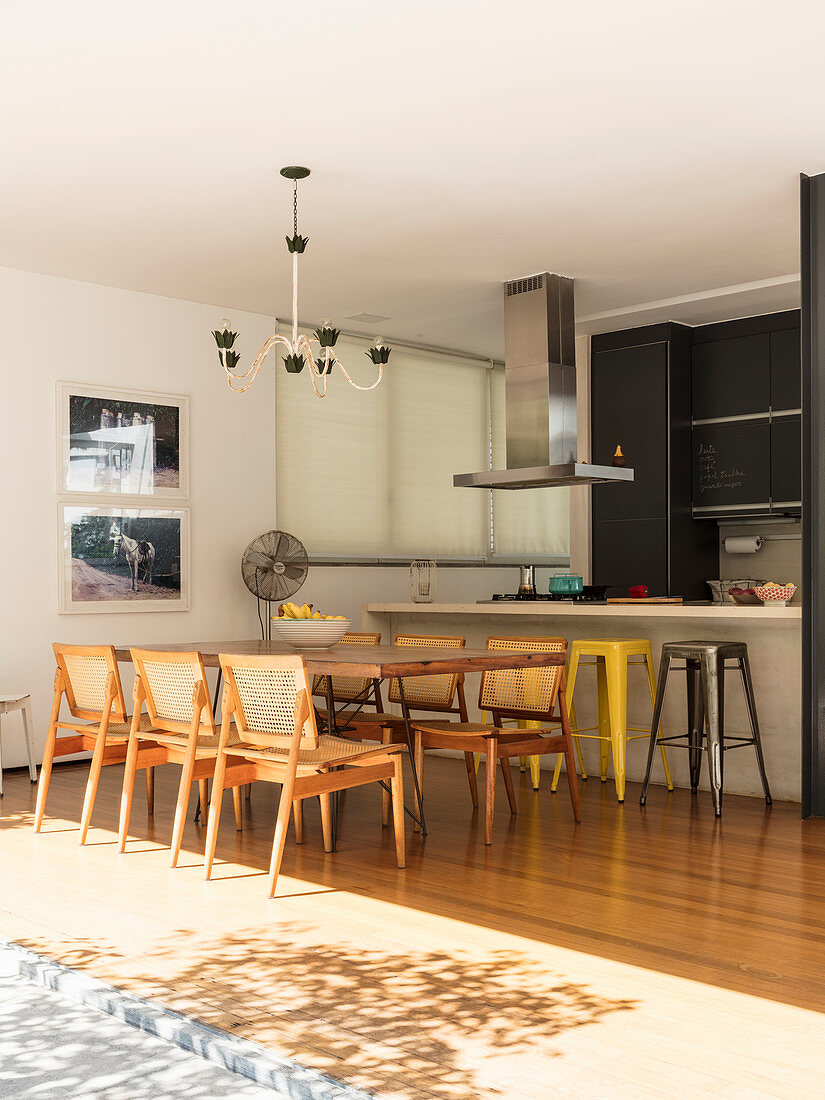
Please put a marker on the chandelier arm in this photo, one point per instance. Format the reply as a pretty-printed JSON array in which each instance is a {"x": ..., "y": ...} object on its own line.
[
  {"x": 355, "y": 384},
  {"x": 233, "y": 379}
]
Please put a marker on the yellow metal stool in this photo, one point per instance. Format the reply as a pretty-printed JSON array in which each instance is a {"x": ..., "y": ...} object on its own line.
[{"x": 612, "y": 656}]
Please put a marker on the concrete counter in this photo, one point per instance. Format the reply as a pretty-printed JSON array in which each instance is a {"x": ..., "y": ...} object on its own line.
[{"x": 773, "y": 636}]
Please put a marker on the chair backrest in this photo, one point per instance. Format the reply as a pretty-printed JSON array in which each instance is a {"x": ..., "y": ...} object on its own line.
[
  {"x": 270, "y": 698},
  {"x": 85, "y": 670},
  {"x": 169, "y": 681},
  {"x": 428, "y": 692},
  {"x": 523, "y": 692},
  {"x": 347, "y": 688}
]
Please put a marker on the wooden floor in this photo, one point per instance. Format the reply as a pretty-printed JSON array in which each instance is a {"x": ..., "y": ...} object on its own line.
[{"x": 654, "y": 953}]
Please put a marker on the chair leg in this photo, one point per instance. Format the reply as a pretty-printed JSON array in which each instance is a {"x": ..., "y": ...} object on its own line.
[
  {"x": 237, "y": 802},
  {"x": 572, "y": 779},
  {"x": 490, "y": 788},
  {"x": 183, "y": 801},
  {"x": 27, "y": 733},
  {"x": 661, "y": 687},
  {"x": 617, "y": 701},
  {"x": 713, "y": 687},
  {"x": 419, "y": 767},
  {"x": 150, "y": 790},
  {"x": 386, "y": 738},
  {"x": 298, "y": 819},
  {"x": 604, "y": 717},
  {"x": 508, "y": 783},
  {"x": 326, "y": 819},
  {"x": 248, "y": 792},
  {"x": 45, "y": 776},
  {"x": 651, "y": 680},
  {"x": 203, "y": 798},
  {"x": 281, "y": 825},
  {"x": 126, "y": 795},
  {"x": 214, "y": 814},
  {"x": 397, "y": 785},
  {"x": 696, "y": 721},
  {"x": 1, "y": 755},
  {"x": 750, "y": 699},
  {"x": 471, "y": 778},
  {"x": 91, "y": 787}
]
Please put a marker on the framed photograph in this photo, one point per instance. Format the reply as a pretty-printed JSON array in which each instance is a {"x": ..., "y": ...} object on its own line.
[
  {"x": 115, "y": 558},
  {"x": 116, "y": 442}
]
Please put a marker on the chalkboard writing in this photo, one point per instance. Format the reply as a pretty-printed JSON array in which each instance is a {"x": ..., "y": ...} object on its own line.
[
  {"x": 712, "y": 476},
  {"x": 731, "y": 465}
]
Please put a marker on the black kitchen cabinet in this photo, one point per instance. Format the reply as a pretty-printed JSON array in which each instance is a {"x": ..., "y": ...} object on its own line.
[
  {"x": 629, "y": 552},
  {"x": 786, "y": 370},
  {"x": 786, "y": 465},
  {"x": 748, "y": 368},
  {"x": 629, "y": 389},
  {"x": 732, "y": 468},
  {"x": 732, "y": 377},
  {"x": 640, "y": 394}
]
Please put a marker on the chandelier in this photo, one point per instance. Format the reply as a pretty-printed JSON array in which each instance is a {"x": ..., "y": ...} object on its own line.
[{"x": 316, "y": 353}]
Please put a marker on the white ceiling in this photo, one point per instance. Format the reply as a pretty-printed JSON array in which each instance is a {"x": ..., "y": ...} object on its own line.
[{"x": 650, "y": 150}]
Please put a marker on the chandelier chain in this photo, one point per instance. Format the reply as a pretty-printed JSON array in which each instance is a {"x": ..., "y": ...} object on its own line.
[{"x": 295, "y": 208}]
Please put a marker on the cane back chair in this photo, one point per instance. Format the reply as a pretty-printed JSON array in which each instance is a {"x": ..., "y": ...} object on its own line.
[
  {"x": 534, "y": 694},
  {"x": 88, "y": 678},
  {"x": 179, "y": 728},
  {"x": 277, "y": 741},
  {"x": 442, "y": 693}
]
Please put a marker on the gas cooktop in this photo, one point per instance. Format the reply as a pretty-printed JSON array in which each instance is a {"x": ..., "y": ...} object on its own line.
[{"x": 591, "y": 594}]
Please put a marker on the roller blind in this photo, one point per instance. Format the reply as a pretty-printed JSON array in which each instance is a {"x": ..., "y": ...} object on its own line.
[
  {"x": 525, "y": 522},
  {"x": 371, "y": 474}
]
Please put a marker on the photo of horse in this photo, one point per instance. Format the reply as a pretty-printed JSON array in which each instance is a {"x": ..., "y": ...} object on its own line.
[
  {"x": 122, "y": 442},
  {"x": 124, "y": 558}
]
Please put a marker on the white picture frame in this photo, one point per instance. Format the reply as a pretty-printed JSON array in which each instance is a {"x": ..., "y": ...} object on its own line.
[
  {"x": 117, "y": 442},
  {"x": 98, "y": 561}
]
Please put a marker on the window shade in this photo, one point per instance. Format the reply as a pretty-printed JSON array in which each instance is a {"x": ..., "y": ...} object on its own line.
[
  {"x": 371, "y": 474},
  {"x": 526, "y": 522}
]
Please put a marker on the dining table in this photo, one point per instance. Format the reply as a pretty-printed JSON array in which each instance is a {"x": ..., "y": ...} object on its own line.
[{"x": 374, "y": 663}]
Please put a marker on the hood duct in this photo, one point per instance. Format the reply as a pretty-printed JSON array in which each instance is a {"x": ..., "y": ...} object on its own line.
[{"x": 540, "y": 392}]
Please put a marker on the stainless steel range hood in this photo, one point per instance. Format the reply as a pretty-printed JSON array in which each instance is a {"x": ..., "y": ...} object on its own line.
[{"x": 540, "y": 392}]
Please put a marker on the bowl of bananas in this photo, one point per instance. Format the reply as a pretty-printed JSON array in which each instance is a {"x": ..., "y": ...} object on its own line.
[{"x": 304, "y": 628}]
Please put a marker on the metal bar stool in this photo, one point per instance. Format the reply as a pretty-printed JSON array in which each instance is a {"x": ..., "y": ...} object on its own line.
[
  {"x": 705, "y": 665},
  {"x": 23, "y": 703}
]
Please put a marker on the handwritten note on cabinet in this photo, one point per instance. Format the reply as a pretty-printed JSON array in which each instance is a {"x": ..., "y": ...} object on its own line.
[{"x": 731, "y": 465}]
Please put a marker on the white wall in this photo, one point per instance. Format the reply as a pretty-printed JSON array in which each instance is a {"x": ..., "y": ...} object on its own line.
[{"x": 57, "y": 329}]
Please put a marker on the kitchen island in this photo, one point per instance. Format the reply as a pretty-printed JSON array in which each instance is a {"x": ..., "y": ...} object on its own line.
[{"x": 773, "y": 636}]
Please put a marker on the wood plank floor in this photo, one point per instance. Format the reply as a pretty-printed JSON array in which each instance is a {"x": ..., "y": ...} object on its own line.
[{"x": 655, "y": 952}]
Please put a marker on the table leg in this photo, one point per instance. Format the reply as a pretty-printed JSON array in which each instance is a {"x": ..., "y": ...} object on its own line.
[
  {"x": 410, "y": 750},
  {"x": 332, "y": 730}
]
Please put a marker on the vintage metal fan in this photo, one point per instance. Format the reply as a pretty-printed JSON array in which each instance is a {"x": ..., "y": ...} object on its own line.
[{"x": 273, "y": 567}]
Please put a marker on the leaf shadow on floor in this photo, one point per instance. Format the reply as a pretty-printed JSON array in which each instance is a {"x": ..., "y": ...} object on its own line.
[{"x": 417, "y": 1023}]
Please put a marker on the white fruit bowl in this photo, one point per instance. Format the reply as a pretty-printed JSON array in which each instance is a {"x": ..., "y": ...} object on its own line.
[{"x": 310, "y": 633}]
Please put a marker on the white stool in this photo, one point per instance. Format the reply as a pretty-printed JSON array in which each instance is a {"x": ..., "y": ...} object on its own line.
[{"x": 23, "y": 703}]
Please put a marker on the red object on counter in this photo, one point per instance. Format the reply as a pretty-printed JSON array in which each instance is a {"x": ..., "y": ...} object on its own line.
[{"x": 638, "y": 591}]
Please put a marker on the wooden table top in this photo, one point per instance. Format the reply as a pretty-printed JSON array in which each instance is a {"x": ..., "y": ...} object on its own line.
[{"x": 374, "y": 662}]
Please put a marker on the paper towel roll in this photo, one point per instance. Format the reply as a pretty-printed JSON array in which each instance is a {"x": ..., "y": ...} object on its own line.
[{"x": 742, "y": 544}]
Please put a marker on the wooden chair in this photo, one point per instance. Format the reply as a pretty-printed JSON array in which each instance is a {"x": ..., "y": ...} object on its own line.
[
  {"x": 179, "y": 728},
  {"x": 535, "y": 694},
  {"x": 88, "y": 677},
  {"x": 441, "y": 694},
  {"x": 278, "y": 742}
]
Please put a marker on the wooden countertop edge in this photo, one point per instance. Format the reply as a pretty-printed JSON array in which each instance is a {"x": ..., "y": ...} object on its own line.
[{"x": 557, "y": 610}]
